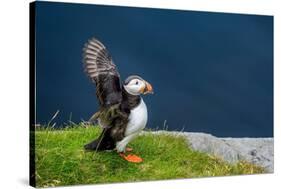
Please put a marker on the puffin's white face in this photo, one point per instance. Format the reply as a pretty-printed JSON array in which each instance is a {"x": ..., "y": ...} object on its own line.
[{"x": 138, "y": 86}]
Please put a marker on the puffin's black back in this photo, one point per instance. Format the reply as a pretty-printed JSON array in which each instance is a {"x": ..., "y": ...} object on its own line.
[{"x": 108, "y": 90}]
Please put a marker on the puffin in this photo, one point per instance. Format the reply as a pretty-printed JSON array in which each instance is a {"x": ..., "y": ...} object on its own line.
[{"x": 122, "y": 112}]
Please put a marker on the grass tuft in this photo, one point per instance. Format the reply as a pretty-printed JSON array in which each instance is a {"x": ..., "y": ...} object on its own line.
[{"x": 61, "y": 160}]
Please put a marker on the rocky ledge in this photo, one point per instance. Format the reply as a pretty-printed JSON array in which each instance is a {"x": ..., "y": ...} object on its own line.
[{"x": 259, "y": 151}]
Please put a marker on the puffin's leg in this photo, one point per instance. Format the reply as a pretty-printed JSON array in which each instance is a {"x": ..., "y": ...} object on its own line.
[
  {"x": 121, "y": 149},
  {"x": 121, "y": 145}
]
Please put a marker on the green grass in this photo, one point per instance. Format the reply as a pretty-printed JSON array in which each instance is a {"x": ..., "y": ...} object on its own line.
[{"x": 61, "y": 160}]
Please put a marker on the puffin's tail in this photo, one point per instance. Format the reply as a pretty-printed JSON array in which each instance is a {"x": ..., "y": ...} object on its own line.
[{"x": 103, "y": 142}]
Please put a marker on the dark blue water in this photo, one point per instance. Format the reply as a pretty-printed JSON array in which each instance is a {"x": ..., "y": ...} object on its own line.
[{"x": 211, "y": 72}]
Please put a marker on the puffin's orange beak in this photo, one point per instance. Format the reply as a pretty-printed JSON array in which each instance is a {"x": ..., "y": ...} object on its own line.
[{"x": 148, "y": 88}]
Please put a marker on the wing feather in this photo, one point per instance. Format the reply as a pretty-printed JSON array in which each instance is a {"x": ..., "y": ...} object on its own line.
[{"x": 100, "y": 68}]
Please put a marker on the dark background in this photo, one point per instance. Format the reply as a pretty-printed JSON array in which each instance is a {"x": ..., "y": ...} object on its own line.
[{"x": 211, "y": 72}]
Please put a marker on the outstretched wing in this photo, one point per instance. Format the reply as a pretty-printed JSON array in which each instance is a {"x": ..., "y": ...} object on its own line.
[{"x": 102, "y": 71}]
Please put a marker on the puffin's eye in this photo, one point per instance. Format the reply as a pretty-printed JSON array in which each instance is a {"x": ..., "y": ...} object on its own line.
[{"x": 137, "y": 82}]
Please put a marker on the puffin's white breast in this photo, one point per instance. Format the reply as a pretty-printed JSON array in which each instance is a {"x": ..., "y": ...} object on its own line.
[{"x": 137, "y": 119}]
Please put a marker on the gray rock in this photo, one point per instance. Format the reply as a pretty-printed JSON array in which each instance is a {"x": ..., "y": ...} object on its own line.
[
  {"x": 259, "y": 151},
  {"x": 212, "y": 145}
]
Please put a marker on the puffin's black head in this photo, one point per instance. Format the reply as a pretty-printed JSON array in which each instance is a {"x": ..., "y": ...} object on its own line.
[{"x": 135, "y": 85}]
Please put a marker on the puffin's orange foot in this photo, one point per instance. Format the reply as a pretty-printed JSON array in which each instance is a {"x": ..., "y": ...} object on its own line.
[
  {"x": 131, "y": 158},
  {"x": 128, "y": 149}
]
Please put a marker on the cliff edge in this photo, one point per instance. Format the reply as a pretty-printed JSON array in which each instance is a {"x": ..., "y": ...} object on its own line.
[{"x": 259, "y": 151}]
